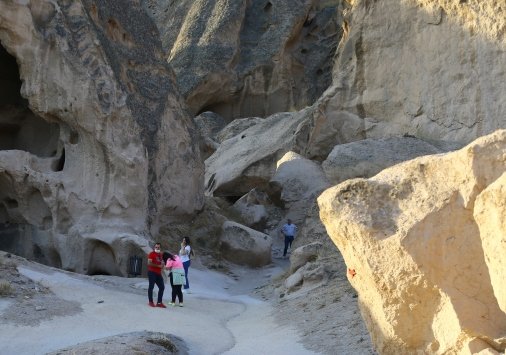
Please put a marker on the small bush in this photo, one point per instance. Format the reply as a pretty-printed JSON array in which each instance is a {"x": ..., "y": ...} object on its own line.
[{"x": 5, "y": 288}]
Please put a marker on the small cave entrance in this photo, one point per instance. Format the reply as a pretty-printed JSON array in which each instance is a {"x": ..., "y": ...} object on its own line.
[
  {"x": 20, "y": 128},
  {"x": 102, "y": 259},
  {"x": 24, "y": 216}
]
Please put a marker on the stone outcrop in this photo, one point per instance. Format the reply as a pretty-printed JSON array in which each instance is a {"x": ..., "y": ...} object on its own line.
[
  {"x": 100, "y": 149},
  {"x": 429, "y": 68},
  {"x": 421, "y": 253},
  {"x": 245, "y": 246},
  {"x": 248, "y": 160},
  {"x": 252, "y": 208},
  {"x": 249, "y": 58},
  {"x": 368, "y": 157},
  {"x": 298, "y": 180},
  {"x": 489, "y": 211}
]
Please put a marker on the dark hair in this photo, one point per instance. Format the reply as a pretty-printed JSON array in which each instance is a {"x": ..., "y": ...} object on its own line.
[{"x": 166, "y": 256}]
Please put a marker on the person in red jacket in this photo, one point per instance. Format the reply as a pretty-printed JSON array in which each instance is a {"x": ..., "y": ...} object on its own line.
[{"x": 155, "y": 266}]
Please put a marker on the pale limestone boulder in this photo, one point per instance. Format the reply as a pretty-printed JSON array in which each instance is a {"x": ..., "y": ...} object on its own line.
[
  {"x": 104, "y": 143},
  {"x": 490, "y": 215},
  {"x": 298, "y": 179},
  {"x": 245, "y": 246},
  {"x": 308, "y": 276},
  {"x": 304, "y": 254},
  {"x": 368, "y": 157},
  {"x": 294, "y": 280},
  {"x": 252, "y": 209},
  {"x": 429, "y": 68},
  {"x": 417, "y": 255},
  {"x": 249, "y": 58},
  {"x": 248, "y": 160}
]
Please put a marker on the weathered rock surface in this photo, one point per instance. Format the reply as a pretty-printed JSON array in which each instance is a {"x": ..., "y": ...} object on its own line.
[
  {"x": 419, "y": 259},
  {"x": 298, "y": 180},
  {"x": 429, "y": 68},
  {"x": 489, "y": 213},
  {"x": 248, "y": 160},
  {"x": 368, "y": 157},
  {"x": 245, "y": 246},
  {"x": 135, "y": 342},
  {"x": 249, "y": 58},
  {"x": 252, "y": 208},
  {"x": 122, "y": 155},
  {"x": 304, "y": 254}
]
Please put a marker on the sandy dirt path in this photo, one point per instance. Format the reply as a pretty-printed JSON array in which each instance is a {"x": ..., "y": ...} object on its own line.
[{"x": 219, "y": 316}]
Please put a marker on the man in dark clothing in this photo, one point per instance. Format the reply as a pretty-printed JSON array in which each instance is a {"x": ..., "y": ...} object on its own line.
[
  {"x": 288, "y": 230},
  {"x": 155, "y": 267}
]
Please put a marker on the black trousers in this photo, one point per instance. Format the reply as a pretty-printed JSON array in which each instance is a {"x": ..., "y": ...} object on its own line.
[
  {"x": 176, "y": 291},
  {"x": 288, "y": 243},
  {"x": 157, "y": 279}
]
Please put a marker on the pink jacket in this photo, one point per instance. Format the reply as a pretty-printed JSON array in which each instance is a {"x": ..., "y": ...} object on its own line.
[{"x": 174, "y": 264}]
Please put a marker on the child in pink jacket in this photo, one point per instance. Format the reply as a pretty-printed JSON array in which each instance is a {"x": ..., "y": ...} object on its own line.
[{"x": 177, "y": 277}]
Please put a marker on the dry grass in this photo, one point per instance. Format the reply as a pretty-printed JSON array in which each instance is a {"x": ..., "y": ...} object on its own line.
[{"x": 6, "y": 288}]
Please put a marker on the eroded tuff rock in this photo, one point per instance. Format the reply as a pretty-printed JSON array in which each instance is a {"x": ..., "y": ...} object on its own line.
[
  {"x": 100, "y": 149},
  {"x": 249, "y": 58},
  {"x": 135, "y": 342},
  {"x": 421, "y": 251},
  {"x": 433, "y": 69},
  {"x": 245, "y": 246},
  {"x": 368, "y": 157},
  {"x": 248, "y": 160}
]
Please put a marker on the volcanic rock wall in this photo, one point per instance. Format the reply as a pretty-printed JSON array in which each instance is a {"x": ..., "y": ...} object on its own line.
[
  {"x": 249, "y": 58},
  {"x": 421, "y": 251},
  {"x": 100, "y": 150}
]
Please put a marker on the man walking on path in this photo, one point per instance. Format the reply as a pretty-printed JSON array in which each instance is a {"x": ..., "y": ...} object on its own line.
[
  {"x": 155, "y": 266},
  {"x": 289, "y": 230}
]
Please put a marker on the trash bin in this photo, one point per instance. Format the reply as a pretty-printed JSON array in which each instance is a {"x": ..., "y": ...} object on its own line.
[{"x": 135, "y": 266}]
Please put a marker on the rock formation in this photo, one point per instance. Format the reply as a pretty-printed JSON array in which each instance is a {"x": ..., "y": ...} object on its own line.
[
  {"x": 100, "y": 151},
  {"x": 368, "y": 157},
  {"x": 433, "y": 69},
  {"x": 423, "y": 265},
  {"x": 245, "y": 246},
  {"x": 249, "y": 58}
]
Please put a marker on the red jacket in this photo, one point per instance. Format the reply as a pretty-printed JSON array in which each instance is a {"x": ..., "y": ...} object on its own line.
[{"x": 156, "y": 258}]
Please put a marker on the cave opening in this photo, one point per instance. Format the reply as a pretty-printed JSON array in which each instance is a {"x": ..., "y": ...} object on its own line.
[
  {"x": 20, "y": 128},
  {"x": 25, "y": 218}
]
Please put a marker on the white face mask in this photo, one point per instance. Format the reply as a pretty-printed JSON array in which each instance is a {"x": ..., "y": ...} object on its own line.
[{"x": 157, "y": 250}]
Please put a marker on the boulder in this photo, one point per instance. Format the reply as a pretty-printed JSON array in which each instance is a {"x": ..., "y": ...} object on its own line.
[
  {"x": 298, "y": 179},
  {"x": 252, "y": 209},
  {"x": 310, "y": 275},
  {"x": 245, "y": 246},
  {"x": 417, "y": 256},
  {"x": 489, "y": 213},
  {"x": 248, "y": 160},
  {"x": 304, "y": 254},
  {"x": 368, "y": 157},
  {"x": 236, "y": 127}
]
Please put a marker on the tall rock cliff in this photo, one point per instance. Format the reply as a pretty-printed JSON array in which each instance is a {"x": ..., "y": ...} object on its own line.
[
  {"x": 101, "y": 150},
  {"x": 433, "y": 69}
]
